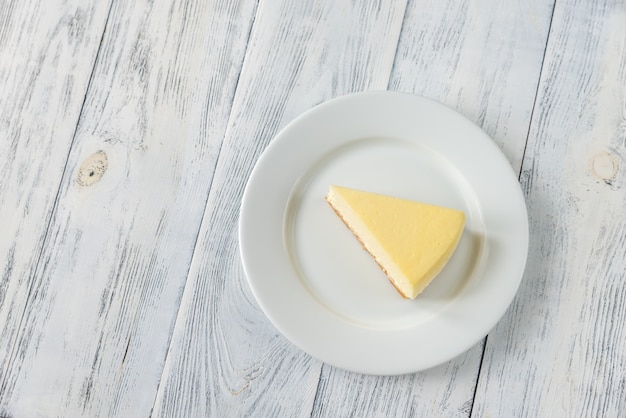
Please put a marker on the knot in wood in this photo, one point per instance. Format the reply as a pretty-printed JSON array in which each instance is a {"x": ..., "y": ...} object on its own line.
[
  {"x": 604, "y": 166},
  {"x": 92, "y": 169}
]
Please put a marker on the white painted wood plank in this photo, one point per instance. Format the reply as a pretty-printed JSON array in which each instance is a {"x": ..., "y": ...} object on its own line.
[
  {"x": 561, "y": 350},
  {"x": 482, "y": 58},
  {"x": 105, "y": 296},
  {"x": 443, "y": 391},
  {"x": 226, "y": 359},
  {"x": 47, "y": 52}
]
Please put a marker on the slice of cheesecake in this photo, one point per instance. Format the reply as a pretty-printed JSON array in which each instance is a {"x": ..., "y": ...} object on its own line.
[{"x": 410, "y": 241}]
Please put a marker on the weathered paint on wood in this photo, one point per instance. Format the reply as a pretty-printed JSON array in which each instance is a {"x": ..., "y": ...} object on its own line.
[
  {"x": 561, "y": 350},
  {"x": 47, "y": 52},
  {"x": 113, "y": 116},
  {"x": 104, "y": 298},
  {"x": 482, "y": 58},
  {"x": 226, "y": 359}
]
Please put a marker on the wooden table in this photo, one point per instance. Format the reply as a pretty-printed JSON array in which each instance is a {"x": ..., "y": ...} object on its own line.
[{"x": 128, "y": 130}]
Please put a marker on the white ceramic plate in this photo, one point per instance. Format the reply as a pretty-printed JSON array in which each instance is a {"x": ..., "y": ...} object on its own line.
[{"x": 322, "y": 290}]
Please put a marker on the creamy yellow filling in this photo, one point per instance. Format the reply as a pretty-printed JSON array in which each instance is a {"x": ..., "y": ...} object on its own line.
[{"x": 411, "y": 241}]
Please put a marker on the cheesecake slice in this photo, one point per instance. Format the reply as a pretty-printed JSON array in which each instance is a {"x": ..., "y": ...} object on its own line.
[{"x": 410, "y": 241}]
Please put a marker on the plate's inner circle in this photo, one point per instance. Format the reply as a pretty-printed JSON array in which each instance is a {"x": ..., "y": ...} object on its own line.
[{"x": 333, "y": 267}]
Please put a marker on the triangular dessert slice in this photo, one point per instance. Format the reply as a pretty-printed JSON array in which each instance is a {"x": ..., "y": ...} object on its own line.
[{"x": 410, "y": 241}]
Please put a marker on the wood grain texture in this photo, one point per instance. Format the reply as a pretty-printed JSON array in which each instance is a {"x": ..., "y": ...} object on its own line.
[
  {"x": 226, "y": 359},
  {"x": 483, "y": 59},
  {"x": 47, "y": 52},
  {"x": 561, "y": 350},
  {"x": 124, "y": 156},
  {"x": 113, "y": 267},
  {"x": 445, "y": 390}
]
